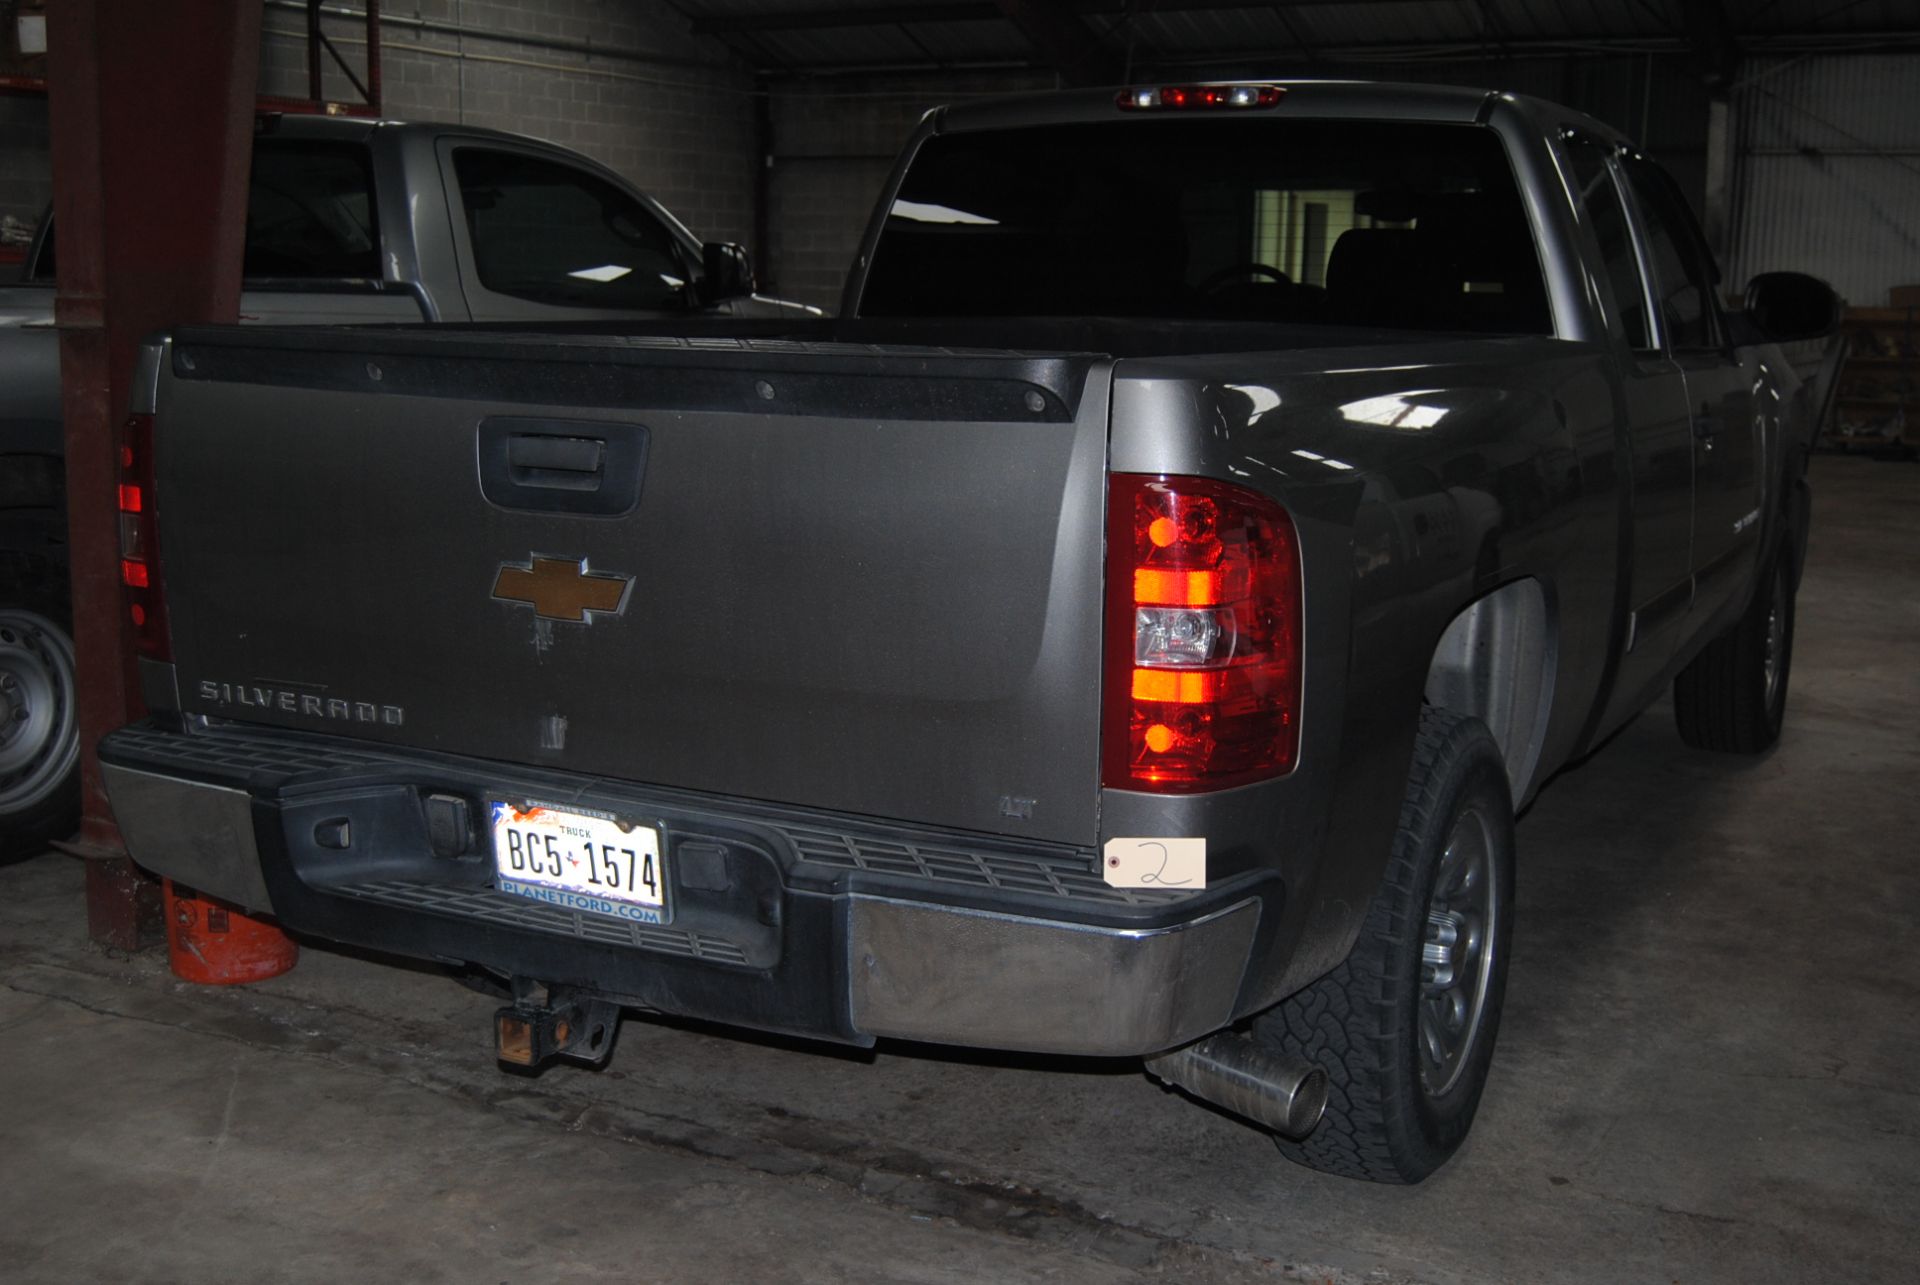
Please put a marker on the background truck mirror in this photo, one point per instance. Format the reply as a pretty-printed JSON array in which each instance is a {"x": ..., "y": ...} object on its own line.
[{"x": 727, "y": 271}]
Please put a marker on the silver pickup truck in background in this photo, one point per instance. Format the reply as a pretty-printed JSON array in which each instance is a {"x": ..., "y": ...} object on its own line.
[
  {"x": 347, "y": 221},
  {"x": 1127, "y": 631}
]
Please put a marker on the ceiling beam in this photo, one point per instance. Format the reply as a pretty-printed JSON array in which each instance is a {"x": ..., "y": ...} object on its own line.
[
  {"x": 1063, "y": 40},
  {"x": 1711, "y": 37},
  {"x": 817, "y": 19},
  {"x": 894, "y": 15},
  {"x": 1293, "y": 32}
]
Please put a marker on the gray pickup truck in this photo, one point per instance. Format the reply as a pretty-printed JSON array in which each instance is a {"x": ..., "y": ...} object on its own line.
[
  {"x": 1127, "y": 631},
  {"x": 347, "y": 221}
]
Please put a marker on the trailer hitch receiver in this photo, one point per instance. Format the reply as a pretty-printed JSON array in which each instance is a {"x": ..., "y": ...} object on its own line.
[{"x": 546, "y": 1022}]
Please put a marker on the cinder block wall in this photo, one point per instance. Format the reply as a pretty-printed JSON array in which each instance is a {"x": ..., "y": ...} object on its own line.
[
  {"x": 670, "y": 111},
  {"x": 834, "y": 142}
]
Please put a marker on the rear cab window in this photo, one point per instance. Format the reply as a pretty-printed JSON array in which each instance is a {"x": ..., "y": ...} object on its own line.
[
  {"x": 550, "y": 233},
  {"x": 310, "y": 214},
  {"x": 1400, "y": 224}
]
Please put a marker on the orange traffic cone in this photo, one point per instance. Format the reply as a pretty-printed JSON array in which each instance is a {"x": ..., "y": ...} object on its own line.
[{"x": 215, "y": 944}]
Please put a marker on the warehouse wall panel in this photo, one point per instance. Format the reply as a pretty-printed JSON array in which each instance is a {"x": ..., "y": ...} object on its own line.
[{"x": 1829, "y": 172}]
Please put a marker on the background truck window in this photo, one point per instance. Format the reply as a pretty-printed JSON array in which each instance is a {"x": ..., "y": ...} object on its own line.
[
  {"x": 1336, "y": 222},
  {"x": 310, "y": 213},
  {"x": 548, "y": 232}
]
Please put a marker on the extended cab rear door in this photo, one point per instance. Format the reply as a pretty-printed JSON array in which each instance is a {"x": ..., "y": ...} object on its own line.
[
  {"x": 1658, "y": 431},
  {"x": 1727, "y": 449}
]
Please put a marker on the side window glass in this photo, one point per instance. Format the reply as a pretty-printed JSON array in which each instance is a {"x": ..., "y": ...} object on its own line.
[
  {"x": 550, "y": 233},
  {"x": 310, "y": 213},
  {"x": 1683, "y": 282},
  {"x": 1600, "y": 198}
]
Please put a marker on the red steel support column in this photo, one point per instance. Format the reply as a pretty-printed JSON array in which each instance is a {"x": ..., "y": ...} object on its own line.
[
  {"x": 373, "y": 55},
  {"x": 152, "y": 113},
  {"x": 316, "y": 54}
]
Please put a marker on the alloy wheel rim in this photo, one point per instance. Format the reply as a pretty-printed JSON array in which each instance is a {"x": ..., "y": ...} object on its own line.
[
  {"x": 39, "y": 725},
  {"x": 1457, "y": 953}
]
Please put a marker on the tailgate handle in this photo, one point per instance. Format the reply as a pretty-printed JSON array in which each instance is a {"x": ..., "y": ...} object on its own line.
[
  {"x": 571, "y": 463},
  {"x": 589, "y": 467}
]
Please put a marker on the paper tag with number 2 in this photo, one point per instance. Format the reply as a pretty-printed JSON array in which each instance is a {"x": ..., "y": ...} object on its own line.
[{"x": 1155, "y": 863}]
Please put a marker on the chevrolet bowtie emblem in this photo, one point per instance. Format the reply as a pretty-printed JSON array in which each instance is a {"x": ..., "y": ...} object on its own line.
[{"x": 561, "y": 588}]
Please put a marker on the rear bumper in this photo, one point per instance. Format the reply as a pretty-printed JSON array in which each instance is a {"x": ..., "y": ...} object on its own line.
[{"x": 823, "y": 926}]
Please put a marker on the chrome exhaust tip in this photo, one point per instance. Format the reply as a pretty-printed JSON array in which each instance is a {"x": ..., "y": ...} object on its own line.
[{"x": 1286, "y": 1095}]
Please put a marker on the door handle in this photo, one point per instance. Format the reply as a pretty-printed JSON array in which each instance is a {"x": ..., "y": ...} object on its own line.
[
  {"x": 564, "y": 463},
  {"x": 589, "y": 467}
]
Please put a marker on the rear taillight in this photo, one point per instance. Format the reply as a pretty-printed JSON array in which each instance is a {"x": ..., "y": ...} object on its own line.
[
  {"x": 140, "y": 541},
  {"x": 1203, "y": 636}
]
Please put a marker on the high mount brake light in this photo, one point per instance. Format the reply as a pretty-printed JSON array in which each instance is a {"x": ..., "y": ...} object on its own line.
[
  {"x": 1203, "y": 636},
  {"x": 140, "y": 541},
  {"x": 1199, "y": 98}
]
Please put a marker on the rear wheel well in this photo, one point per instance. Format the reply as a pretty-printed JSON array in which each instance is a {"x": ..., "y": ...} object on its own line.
[{"x": 1495, "y": 661}]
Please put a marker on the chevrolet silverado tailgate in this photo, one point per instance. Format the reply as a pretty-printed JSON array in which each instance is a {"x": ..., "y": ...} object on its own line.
[{"x": 845, "y": 577}]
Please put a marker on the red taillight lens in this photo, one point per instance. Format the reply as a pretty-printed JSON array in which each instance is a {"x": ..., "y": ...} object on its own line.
[
  {"x": 1203, "y": 635},
  {"x": 140, "y": 541}
]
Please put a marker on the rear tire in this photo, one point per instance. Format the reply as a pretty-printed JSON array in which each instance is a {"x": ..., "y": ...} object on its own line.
[
  {"x": 39, "y": 724},
  {"x": 1732, "y": 697},
  {"x": 1405, "y": 1026}
]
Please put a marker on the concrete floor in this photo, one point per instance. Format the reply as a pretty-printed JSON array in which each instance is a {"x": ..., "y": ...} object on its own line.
[{"x": 1714, "y": 1008}]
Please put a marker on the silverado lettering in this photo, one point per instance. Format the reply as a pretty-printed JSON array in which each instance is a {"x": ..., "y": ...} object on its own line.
[{"x": 288, "y": 701}]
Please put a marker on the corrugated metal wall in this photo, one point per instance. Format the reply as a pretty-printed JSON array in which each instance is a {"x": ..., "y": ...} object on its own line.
[{"x": 1828, "y": 179}]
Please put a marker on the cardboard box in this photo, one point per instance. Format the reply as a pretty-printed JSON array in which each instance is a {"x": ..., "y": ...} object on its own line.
[{"x": 1904, "y": 297}]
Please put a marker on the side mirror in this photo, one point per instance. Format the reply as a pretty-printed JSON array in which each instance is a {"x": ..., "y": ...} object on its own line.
[
  {"x": 727, "y": 272},
  {"x": 1786, "y": 306}
]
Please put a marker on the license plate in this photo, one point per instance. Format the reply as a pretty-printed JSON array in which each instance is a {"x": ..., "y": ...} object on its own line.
[{"x": 579, "y": 860}]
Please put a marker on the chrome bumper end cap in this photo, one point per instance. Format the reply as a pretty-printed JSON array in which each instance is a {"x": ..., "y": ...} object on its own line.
[
  {"x": 197, "y": 834},
  {"x": 945, "y": 975}
]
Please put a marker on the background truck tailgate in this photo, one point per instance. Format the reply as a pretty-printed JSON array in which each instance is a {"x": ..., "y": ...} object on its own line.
[{"x": 861, "y": 580}]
